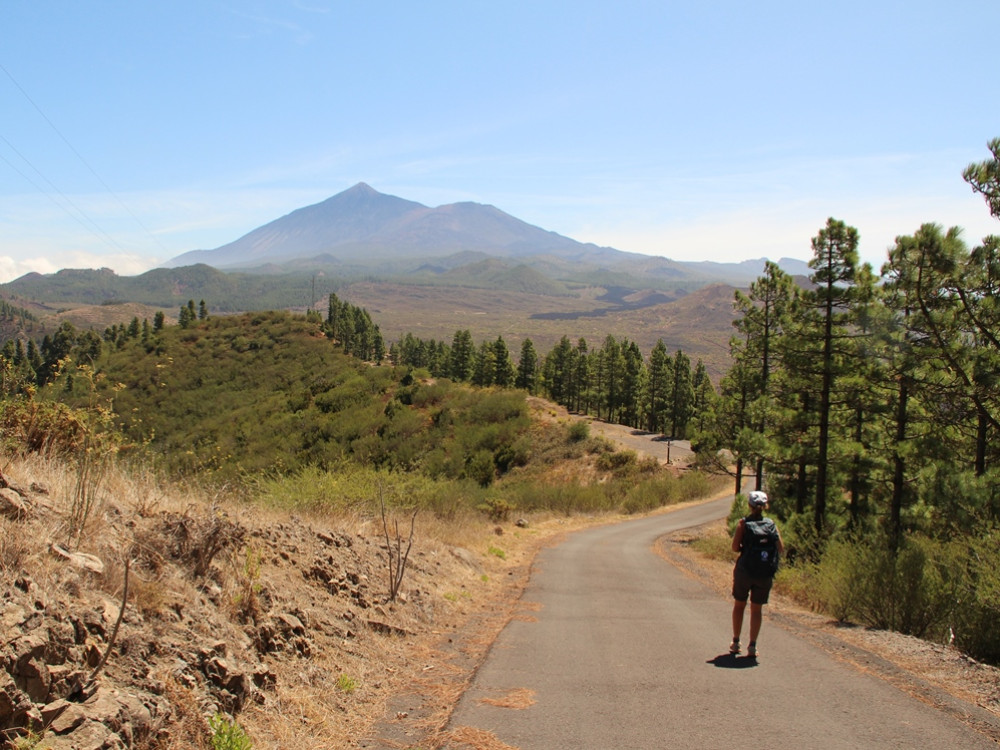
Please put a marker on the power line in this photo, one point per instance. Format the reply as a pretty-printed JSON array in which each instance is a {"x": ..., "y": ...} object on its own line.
[
  {"x": 80, "y": 216},
  {"x": 82, "y": 160}
]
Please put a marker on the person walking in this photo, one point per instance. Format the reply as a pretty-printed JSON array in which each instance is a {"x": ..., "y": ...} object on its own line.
[{"x": 759, "y": 543}]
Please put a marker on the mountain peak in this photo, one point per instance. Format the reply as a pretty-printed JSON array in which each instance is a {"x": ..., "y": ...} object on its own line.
[{"x": 362, "y": 188}]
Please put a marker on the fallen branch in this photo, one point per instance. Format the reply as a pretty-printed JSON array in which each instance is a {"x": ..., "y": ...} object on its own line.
[{"x": 114, "y": 632}]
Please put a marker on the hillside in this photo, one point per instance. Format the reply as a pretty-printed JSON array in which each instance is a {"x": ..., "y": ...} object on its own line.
[
  {"x": 248, "y": 394},
  {"x": 280, "y": 622}
]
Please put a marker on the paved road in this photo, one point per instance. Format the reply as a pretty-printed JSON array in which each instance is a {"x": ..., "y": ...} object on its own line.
[{"x": 619, "y": 649}]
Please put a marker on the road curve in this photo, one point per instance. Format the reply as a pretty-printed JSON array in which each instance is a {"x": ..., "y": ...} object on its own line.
[{"x": 613, "y": 647}]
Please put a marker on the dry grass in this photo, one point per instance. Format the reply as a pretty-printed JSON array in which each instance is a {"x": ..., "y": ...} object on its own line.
[
  {"x": 470, "y": 737},
  {"x": 518, "y": 698},
  {"x": 188, "y": 728}
]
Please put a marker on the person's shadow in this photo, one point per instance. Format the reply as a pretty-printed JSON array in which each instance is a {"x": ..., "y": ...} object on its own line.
[{"x": 733, "y": 661}]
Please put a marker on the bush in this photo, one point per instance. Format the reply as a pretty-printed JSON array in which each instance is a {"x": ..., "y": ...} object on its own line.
[
  {"x": 228, "y": 736},
  {"x": 617, "y": 461},
  {"x": 578, "y": 431},
  {"x": 974, "y": 623},
  {"x": 480, "y": 468},
  {"x": 911, "y": 590},
  {"x": 497, "y": 509}
]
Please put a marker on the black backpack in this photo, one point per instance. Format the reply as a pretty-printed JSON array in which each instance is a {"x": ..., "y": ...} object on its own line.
[{"x": 759, "y": 557}]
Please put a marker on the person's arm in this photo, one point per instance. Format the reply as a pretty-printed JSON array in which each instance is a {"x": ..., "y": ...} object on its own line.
[
  {"x": 738, "y": 537},
  {"x": 781, "y": 544}
]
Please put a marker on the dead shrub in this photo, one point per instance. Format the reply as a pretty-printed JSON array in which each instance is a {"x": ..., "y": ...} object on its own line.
[
  {"x": 195, "y": 542},
  {"x": 15, "y": 546},
  {"x": 186, "y": 728},
  {"x": 246, "y": 587}
]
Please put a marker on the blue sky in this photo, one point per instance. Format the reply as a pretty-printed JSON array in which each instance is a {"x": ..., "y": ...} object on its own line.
[{"x": 132, "y": 132}]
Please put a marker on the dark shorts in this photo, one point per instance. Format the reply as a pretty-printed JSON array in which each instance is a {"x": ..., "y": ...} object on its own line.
[{"x": 745, "y": 585}]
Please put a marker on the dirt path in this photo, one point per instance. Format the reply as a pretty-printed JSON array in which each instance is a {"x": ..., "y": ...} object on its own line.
[{"x": 651, "y": 444}]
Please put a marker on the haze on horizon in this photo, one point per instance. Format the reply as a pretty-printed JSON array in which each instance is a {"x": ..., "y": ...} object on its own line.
[{"x": 133, "y": 133}]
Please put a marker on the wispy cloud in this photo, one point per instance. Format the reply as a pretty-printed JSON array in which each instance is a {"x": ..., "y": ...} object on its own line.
[{"x": 265, "y": 25}]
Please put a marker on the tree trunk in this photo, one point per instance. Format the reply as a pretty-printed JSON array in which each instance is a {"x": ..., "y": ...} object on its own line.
[{"x": 898, "y": 470}]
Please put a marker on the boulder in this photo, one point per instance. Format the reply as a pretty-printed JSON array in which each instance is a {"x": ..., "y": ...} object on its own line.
[{"x": 13, "y": 505}]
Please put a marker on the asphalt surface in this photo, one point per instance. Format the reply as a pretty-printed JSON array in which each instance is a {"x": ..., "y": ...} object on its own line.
[{"x": 613, "y": 647}]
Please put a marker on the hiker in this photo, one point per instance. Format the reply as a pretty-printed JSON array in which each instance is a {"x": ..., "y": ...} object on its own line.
[{"x": 757, "y": 540}]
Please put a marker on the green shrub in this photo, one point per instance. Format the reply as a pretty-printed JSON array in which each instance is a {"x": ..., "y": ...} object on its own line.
[
  {"x": 616, "y": 461},
  {"x": 911, "y": 590},
  {"x": 497, "y": 509},
  {"x": 480, "y": 468},
  {"x": 578, "y": 431},
  {"x": 833, "y": 585},
  {"x": 347, "y": 684},
  {"x": 975, "y": 618},
  {"x": 228, "y": 736},
  {"x": 714, "y": 547}
]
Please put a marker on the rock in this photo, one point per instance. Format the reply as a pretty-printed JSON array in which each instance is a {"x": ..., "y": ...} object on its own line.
[
  {"x": 66, "y": 680},
  {"x": 288, "y": 623},
  {"x": 265, "y": 679},
  {"x": 63, "y": 717},
  {"x": 387, "y": 629},
  {"x": 233, "y": 683},
  {"x": 79, "y": 559},
  {"x": 91, "y": 735},
  {"x": 94, "y": 622},
  {"x": 11, "y": 617},
  {"x": 13, "y": 505},
  {"x": 466, "y": 557},
  {"x": 14, "y": 704},
  {"x": 30, "y": 672}
]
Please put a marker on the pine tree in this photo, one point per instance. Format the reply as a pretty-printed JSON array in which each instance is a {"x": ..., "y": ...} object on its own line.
[
  {"x": 504, "y": 372},
  {"x": 827, "y": 305},
  {"x": 527, "y": 367},
  {"x": 462, "y": 359}
]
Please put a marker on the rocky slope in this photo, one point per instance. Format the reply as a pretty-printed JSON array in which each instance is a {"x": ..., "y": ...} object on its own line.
[{"x": 233, "y": 619}]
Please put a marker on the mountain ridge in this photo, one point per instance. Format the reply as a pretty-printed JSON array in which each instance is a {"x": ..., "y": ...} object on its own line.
[{"x": 360, "y": 225}]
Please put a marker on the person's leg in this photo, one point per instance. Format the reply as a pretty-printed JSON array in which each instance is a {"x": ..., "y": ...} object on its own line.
[
  {"x": 756, "y": 617},
  {"x": 738, "y": 609}
]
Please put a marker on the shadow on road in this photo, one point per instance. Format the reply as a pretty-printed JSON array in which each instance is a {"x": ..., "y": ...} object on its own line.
[{"x": 731, "y": 661}]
